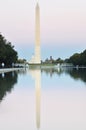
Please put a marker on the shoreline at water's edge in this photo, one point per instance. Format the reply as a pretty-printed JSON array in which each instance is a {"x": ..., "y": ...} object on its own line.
[{"x": 4, "y": 70}]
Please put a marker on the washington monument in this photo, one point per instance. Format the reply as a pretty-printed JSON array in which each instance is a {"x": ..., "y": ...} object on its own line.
[{"x": 36, "y": 59}]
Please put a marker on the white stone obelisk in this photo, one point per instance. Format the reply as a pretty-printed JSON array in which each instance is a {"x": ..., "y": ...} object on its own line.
[
  {"x": 37, "y": 35},
  {"x": 36, "y": 58}
]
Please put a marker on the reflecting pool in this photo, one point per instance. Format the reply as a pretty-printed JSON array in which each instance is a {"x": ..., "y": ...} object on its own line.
[{"x": 43, "y": 99}]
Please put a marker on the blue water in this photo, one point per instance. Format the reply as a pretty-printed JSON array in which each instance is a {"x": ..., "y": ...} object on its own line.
[{"x": 44, "y": 99}]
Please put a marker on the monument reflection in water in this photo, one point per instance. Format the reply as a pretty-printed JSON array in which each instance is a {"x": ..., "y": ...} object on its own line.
[
  {"x": 36, "y": 74},
  {"x": 62, "y": 104}
]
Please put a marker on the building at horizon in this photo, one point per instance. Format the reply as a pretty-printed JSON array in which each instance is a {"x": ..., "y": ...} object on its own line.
[{"x": 36, "y": 58}]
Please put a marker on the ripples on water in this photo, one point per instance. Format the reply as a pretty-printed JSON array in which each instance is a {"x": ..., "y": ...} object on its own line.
[{"x": 45, "y": 99}]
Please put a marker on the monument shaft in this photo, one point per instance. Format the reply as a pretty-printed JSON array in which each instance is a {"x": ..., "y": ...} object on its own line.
[
  {"x": 37, "y": 36},
  {"x": 36, "y": 58}
]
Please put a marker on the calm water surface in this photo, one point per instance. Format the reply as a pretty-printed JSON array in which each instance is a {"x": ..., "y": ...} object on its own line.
[{"x": 44, "y": 99}]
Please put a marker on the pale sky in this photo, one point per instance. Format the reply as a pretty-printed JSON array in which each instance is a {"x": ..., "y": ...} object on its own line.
[{"x": 63, "y": 26}]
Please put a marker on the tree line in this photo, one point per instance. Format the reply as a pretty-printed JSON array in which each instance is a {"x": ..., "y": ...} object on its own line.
[
  {"x": 76, "y": 59},
  {"x": 8, "y": 55}
]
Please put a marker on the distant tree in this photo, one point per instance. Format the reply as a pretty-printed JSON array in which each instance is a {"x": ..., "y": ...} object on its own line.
[
  {"x": 7, "y": 53},
  {"x": 59, "y": 60},
  {"x": 78, "y": 59},
  {"x": 21, "y": 61},
  {"x": 83, "y": 58},
  {"x": 75, "y": 59}
]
